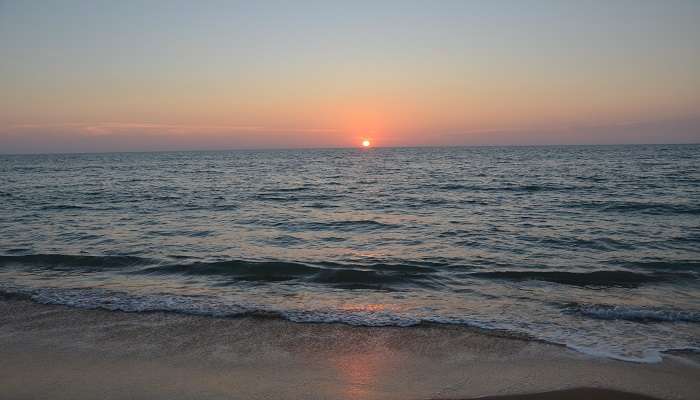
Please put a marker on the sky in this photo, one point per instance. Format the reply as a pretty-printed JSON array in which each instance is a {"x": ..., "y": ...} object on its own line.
[{"x": 82, "y": 76}]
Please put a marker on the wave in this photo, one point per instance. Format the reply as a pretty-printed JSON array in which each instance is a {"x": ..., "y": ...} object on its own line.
[
  {"x": 369, "y": 279},
  {"x": 654, "y": 208},
  {"x": 407, "y": 267},
  {"x": 636, "y": 314},
  {"x": 510, "y": 188},
  {"x": 650, "y": 208},
  {"x": 292, "y": 189},
  {"x": 238, "y": 269},
  {"x": 680, "y": 265},
  {"x": 378, "y": 276},
  {"x": 58, "y": 207},
  {"x": 214, "y": 207},
  {"x": 104, "y": 299},
  {"x": 362, "y": 275},
  {"x": 342, "y": 226},
  {"x": 69, "y": 262},
  {"x": 595, "y": 278},
  {"x": 292, "y": 196},
  {"x": 273, "y": 197},
  {"x": 69, "y": 207},
  {"x": 599, "y": 243},
  {"x": 344, "y": 276},
  {"x": 320, "y": 205},
  {"x": 648, "y": 357},
  {"x": 204, "y": 306},
  {"x": 116, "y": 301}
]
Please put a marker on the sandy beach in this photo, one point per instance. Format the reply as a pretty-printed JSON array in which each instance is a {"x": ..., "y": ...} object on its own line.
[
  {"x": 66, "y": 353},
  {"x": 349, "y": 200}
]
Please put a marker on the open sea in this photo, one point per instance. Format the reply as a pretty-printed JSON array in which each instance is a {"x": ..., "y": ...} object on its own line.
[{"x": 593, "y": 247}]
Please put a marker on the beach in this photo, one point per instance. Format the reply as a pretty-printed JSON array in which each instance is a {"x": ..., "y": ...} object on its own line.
[
  {"x": 382, "y": 200},
  {"x": 58, "y": 352}
]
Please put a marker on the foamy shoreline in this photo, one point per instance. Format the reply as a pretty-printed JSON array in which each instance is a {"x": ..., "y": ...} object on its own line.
[{"x": 60, "y": 353}]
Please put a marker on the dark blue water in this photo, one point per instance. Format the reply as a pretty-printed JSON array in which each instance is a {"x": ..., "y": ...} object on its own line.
[{"x": 597, "y": 248}]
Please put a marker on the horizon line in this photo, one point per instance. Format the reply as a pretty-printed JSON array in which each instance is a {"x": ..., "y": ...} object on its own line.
[{"x": 349, "y": 148}]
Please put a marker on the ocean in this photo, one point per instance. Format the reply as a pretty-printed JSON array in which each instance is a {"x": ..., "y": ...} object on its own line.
[{"x": 593, "y": 247}]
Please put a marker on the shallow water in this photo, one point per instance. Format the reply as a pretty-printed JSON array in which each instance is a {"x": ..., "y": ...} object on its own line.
[{"x": 595, "y": 247}]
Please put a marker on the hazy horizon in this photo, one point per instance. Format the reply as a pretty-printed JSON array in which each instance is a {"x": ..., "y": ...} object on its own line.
[
  {"x": 163, "y": 76},
  {"x": 256, "y": 149}
]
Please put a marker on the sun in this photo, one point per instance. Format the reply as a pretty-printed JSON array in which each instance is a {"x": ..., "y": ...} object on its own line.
[{"x": 366, "y": 143}]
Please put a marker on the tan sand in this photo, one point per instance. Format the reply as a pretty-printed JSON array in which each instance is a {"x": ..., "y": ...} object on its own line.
[{"x": 55, "y": 352}]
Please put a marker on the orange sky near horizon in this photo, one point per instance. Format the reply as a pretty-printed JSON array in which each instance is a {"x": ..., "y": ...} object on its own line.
[{"x": 101, "y": 76}]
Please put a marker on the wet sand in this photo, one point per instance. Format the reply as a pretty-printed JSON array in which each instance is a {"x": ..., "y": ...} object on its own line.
[
  {"x": 574, "y": 394},
  {"x": 58, "y": 352}
]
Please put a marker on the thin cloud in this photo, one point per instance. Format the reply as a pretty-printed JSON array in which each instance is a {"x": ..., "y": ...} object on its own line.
[{"x": 108, "y": 128}]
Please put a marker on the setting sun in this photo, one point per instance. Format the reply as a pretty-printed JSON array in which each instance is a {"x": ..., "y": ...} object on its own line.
[{"x": 350, "y": 171}]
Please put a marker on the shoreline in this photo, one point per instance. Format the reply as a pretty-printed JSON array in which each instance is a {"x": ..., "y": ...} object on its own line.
[
  {"x": 61, "y": 352},
  {"x": 651, "y": 357}
]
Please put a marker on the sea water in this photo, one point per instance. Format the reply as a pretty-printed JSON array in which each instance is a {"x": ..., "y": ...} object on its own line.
[{"x": 593, "y": 247}]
